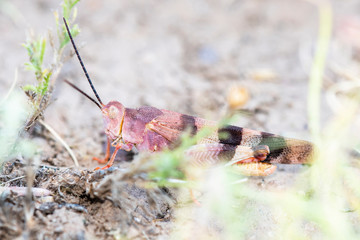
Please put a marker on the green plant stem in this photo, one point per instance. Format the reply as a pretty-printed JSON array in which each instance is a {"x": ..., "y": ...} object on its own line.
[{"x": 318, "y": 66}]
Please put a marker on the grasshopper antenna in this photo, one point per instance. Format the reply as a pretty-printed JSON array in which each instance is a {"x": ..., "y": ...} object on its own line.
[
  {"x": 83, "y": 67},
  {"x": 83, "y": 93}
]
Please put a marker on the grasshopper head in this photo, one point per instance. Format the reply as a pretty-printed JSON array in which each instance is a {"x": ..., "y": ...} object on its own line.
[{"x": 113, "y": 115}]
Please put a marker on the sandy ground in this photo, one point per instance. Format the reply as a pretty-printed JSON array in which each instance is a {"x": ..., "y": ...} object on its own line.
[{"x": 178, "y": 55}]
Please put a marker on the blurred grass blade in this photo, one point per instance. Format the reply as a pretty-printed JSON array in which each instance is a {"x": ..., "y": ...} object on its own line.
[{"x": 318, "y": 66}]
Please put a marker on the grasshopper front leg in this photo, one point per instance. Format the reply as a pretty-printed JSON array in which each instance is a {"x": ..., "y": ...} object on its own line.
[
  {"x": 118, "y": 144},
  {"x": 104, "y": 160},
  {"x": 111, "y": 161}
]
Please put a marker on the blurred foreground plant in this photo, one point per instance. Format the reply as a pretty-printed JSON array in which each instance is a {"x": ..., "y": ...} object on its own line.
[
  {"x": 15, "y": 116},
  {"x": 40, "y": 93},
  {"x": 13, "y": 113},
  {"x": 170, "y": 165}
]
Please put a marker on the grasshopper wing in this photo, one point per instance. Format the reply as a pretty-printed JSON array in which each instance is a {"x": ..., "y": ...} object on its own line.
[{"x": 171, "y": 125}]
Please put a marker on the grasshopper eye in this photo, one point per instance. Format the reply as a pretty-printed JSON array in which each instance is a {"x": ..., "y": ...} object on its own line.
[{"x": 113, "y": 112}]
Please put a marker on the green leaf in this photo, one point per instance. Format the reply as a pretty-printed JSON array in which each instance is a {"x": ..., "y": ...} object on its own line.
[
  {"x": 30, "y": 66},
  {"x": 45, "y": 83},
  {"x": 29, "y": 88},
  {"x": 74, "y": 32},
  {"x": 42, "y": 51},
  {"x": 74, "y": 3},
  {"x": 67, "y": 6}
]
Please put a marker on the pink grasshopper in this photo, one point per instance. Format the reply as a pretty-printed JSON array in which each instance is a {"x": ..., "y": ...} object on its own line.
[{"x": 152, "y": 129}]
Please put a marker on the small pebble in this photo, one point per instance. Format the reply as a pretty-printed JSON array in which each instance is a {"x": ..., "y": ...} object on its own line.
[{"x": 237, "y": 97}]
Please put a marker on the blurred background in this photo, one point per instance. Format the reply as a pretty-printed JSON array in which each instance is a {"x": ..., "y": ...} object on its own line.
[
  {"x": 187, "y": 56},
  {"x": 189, "y": 52}
]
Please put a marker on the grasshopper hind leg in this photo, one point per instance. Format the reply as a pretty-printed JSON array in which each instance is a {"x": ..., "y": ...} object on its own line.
[{"x": 245, "y": 160}]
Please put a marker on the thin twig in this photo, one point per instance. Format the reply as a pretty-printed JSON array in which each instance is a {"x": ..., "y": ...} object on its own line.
[
  {"x": 14, "y": 179},
  {"x": 57, "y": 136}
]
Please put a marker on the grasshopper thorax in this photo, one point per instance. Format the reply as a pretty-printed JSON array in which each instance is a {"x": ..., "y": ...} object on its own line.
[{"x": 113, "y": 116}]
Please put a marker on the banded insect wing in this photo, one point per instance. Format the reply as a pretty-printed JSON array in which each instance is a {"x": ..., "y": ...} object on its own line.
[{"x": 251, "y": 151}]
